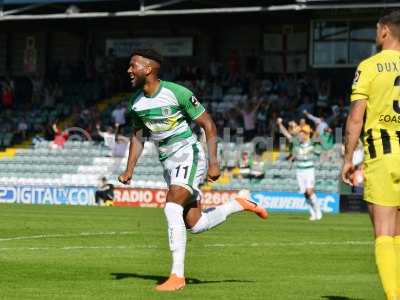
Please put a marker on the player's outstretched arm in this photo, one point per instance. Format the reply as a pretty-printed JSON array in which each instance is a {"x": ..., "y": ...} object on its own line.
[
  {"x": 315, "y": 119},
  {"x": 354, "y": 124},
  {"x": 135, "y": 149},
  {"x": 101, "y": 133},
  {"x": 206, "y": 122},
  {"x": 283, "y": 129}
]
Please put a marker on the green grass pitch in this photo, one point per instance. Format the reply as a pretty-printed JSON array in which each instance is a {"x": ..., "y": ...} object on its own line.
[{"x": 66, "y": 252}]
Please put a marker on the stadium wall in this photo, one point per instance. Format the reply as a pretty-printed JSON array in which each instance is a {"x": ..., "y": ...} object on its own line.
[{"x": 215, "y": 36}]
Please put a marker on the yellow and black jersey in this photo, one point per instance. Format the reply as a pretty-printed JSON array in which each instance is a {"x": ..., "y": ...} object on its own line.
[{"x": 377, "y": 80}]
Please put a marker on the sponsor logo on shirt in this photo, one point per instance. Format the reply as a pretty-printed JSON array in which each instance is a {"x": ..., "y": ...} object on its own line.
[{"x": 166, "y": 111}]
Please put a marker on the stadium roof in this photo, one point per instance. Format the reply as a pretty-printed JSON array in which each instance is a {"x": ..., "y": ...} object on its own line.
[{"x": 60, "y": 9}]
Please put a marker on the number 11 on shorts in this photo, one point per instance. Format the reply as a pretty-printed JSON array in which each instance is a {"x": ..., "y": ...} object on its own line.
[{"x": 178, "y": 169}]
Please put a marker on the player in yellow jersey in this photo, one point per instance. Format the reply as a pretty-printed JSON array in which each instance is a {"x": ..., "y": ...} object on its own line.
[{"x": 375, "y": 105}]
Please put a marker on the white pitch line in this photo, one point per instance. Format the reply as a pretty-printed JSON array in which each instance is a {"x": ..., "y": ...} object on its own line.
[
  {"x": 59, "y": 235},
  {"x": 305, "y": 243},
  {"x": 82, "y": 247},
  {"x": 221, "y": 245}
]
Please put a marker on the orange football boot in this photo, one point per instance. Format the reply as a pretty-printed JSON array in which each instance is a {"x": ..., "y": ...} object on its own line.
[
  {"x": 173, "y": 283},
  {"x": 244, "y": 199}
]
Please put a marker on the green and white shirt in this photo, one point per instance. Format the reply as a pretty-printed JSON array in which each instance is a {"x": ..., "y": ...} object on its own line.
[
  {"x": 167, "y": 115},
  {"x": 303, "y": 154}
]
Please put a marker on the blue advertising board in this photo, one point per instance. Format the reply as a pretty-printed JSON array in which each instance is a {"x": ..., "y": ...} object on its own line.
[
  {"x": 47, "y": 195},
  {"x": 289, "y": 201},
  {"x": 273, "y": 201}
]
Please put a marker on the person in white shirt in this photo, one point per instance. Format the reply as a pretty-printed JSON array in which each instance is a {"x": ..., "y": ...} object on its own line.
[
  {"x": 108, "y": 136},
  {"x": 320, "y": 124}
]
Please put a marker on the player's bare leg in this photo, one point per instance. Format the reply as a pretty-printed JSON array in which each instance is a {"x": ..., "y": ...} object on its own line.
[
  {"x": 199, "y": 221},
  {"x": 181, "y": 213},
  {"x": 177, "y": 196},
  {"x": 384, "y": 220}
]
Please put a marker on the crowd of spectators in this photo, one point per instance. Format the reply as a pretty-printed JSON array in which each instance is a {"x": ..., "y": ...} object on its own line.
[
  {"x": 245, "y": 98},
  {"x": 236, "y": 96},
  {"x": 31, "y": 104}
]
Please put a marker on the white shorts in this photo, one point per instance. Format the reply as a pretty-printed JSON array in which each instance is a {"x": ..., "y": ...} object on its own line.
[
  {"x": 187, "y": 167},
  {"x": 306, "y": 179}
]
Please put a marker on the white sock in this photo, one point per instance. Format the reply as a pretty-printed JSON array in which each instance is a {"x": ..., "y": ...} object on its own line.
[
  {"x": 311, "y": 209},
  {"x": 216, "y": 216},
  {"x": 176, "y": 236},
  {"x": 231, "y": 207},
  {"x": 316, "y": 206}
]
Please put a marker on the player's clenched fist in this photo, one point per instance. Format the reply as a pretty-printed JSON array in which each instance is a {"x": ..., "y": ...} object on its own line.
[
  {"x": 125, "y": 177},
  {"x": 213, "y": 172},
  {"x": 347, "y": 172}
]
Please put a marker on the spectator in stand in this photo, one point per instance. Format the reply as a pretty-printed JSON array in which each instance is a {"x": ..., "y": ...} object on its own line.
[
  {"x": 22, "y": 129},
  {"x": 303, "y": 126},
  {"x": 340, "y": 112},
  {"x": 326, "y": 139},
  {"x": 8, "y": 95},
  {"x": 320, "y": 123},
  {"x": 108, "y": 136},
  {"x": 118, "y": 115},
  {"x": 232, "y": 120},
  {"x": 59, "y": 138},
  {"x": 249, "y": 120},
  {"x": 262, "y": 118},
  {"x": 245, "y": 164},
  {"x": 117, "y": 143},
  {"x": 104, "y": 193}
]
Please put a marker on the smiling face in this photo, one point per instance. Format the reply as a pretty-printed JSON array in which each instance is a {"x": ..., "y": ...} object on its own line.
[{"x": 138, "y": 70}]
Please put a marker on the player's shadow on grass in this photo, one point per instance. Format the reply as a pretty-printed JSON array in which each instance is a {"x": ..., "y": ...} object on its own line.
[
  {"x": 159, "y": 279},
  {"x": 339, "y": 298}
]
